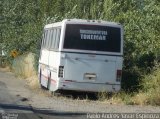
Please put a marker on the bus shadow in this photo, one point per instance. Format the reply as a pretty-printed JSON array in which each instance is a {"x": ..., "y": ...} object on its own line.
[
  {"x": 77, "y": 95},
  {"x": 44, "y": 111}
]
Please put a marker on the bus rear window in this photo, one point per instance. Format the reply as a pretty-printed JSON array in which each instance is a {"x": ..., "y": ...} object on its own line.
[{"x": 92, "y": 37}]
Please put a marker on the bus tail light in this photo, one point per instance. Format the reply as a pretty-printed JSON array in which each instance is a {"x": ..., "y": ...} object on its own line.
[
  {"x": 61, "y": 71},
  {"x": 119, "y": 75}
]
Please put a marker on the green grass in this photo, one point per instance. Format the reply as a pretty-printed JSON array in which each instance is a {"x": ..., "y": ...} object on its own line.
[
  {"x": 151, "y": 88},
  {"x": 148, "y": 95}
]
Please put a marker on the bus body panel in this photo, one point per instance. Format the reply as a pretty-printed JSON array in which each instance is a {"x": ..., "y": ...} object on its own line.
[
  {"x": 88, "y": 72},
  {"x": 102, "y": 67},
  {"x": 49, "y": 69},
  {"x": 89, "y": 87},
  {"x": 43, "y": 67},
  {"x": 54, "y": 62}
]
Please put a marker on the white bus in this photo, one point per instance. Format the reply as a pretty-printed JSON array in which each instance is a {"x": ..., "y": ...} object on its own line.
[{"x": 81, "y": 55}]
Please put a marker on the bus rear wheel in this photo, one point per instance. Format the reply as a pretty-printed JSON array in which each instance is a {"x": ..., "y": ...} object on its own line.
[{"x": 49, "y": 82}]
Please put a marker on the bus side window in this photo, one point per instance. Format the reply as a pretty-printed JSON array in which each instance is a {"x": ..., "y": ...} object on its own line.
[
  {"x": 53, "y": 39},
  {"x": 57, "y": 38},
  {"x": 48, "y": 39},
  {"x": 45, "y": 39}
]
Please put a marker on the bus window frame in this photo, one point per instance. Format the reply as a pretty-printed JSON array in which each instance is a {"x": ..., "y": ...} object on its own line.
[{"x": 51, "y": 43}]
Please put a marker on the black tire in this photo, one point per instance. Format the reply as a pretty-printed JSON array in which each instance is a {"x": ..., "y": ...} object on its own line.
[{"x": 49, "y": 81}]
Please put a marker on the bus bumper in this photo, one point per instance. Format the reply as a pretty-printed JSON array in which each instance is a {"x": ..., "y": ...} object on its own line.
[{"x": 89, "y": 87}]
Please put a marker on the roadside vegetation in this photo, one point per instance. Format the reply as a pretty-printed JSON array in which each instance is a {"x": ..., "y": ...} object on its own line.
[
  {"x": 22, "y": 23},
  {"x": 147, "y": 95}
]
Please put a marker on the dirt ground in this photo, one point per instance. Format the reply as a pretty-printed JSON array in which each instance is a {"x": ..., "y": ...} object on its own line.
[{"x": 14, "y": 90}]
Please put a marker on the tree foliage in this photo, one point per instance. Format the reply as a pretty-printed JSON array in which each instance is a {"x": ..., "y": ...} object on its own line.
[{"x": 22, "y": 22}]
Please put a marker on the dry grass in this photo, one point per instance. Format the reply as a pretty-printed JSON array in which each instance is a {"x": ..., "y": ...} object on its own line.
[
  {"x": 140, "y": 99},
  {"x": 110, "y": 98},
  {"x": 24, "y": 65},
  {"x": 114, "y": 101},
  {"x": 102, "y": 96},
  {"x": 5, "y": 69},
  {"x": 33, "y": 82}
]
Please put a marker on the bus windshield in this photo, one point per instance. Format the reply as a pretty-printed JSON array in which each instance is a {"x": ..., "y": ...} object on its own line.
[{"x": 92, "y": 37}]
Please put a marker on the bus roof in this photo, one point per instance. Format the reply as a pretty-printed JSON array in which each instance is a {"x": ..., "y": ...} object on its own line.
[{"x": 82, "y": 21}]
